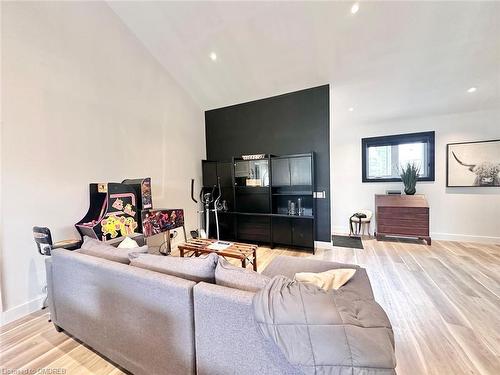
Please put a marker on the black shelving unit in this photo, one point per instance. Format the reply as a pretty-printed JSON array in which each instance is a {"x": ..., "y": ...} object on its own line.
[{"x": 259, "y": 195}]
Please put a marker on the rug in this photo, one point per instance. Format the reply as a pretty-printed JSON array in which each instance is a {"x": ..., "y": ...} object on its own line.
[{"x": 346, "y": 241}]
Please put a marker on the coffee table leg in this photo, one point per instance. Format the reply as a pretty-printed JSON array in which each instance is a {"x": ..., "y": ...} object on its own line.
[
  {"x": 255, "y": 260},
  {"x": 244, "y": 263},
  {"x": 181, "y": 252}
]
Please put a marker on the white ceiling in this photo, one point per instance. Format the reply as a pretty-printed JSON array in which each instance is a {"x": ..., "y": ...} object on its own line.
[{"x": 390, "y": 60}]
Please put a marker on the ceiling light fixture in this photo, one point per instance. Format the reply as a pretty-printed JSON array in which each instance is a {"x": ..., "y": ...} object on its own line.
[
  {"x": 351, "y": 109},
  {"x": 355, "y": 8},
  {"x": 213, "y": 56},
  {"x": 471, "y": 90}
]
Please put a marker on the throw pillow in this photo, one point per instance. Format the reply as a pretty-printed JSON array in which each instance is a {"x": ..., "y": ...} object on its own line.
[
  {"x": 328, "y": 280},
  {"x": 239, "y": 278},
  {"x": 100, "y": 249},
  {"x": 195, "y": 269},
  {"x": 128, "y": 243}
]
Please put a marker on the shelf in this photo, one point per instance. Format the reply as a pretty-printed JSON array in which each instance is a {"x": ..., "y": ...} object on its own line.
[
  {"x": 293, "y": 216},
  {"x": 262, "y": 214},
  {"x": 295, "y": 193}
]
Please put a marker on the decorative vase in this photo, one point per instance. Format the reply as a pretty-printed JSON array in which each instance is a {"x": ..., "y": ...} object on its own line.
[{"x": 410, "y": 190}]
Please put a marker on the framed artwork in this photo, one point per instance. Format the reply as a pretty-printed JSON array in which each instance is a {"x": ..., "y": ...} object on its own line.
[{"x": 473, "y": 164}]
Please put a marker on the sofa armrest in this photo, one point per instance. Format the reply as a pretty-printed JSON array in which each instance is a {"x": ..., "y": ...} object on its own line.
[{"x": 227, "y": 337}]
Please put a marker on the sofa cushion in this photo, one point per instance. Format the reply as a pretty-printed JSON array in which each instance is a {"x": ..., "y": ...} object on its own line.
[
  {"x": 100, "y": 249},
  {"x": 195, "y": 269},
  {"x": 239, "y": 278}
]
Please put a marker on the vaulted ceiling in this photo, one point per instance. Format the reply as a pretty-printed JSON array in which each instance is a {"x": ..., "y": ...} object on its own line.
[{"x": 390, "y": 59}]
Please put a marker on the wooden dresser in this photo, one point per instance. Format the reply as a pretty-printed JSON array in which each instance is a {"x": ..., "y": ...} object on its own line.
[{"x": 402, "y": 215}]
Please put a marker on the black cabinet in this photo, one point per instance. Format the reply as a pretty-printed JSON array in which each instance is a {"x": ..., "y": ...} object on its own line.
[
  {"x": 209, "y": 170},
  {"x": 263, "y": 198},
  {"x": 302, "y": 232},
  {"x": 280, "y": 172},
  {"x": 254, "y": 228},
  {"x": 300, "y": 171},
  {"x": 282, "y": 230},
  {"x": 291, "y": 171},
  {"x": 212, "y": 170},
  {"x": 252, "y": 200},
  {"x": 293, "y": 231},
  {"x": 225, "y": 174},
  {"x": 226, "y": 226}
]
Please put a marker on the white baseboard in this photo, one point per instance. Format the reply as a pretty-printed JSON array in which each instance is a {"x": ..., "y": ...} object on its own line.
[
  {"x": 441, "y": 236},
  {"x": 21, "y": 310},
  {"x": 340, "y": 230},
  {"x": 464, "y": 238},
  {"x": 322, "y": 245}
]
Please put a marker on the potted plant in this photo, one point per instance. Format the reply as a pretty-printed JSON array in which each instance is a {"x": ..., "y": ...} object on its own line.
[{"x": 409, "y": 176}]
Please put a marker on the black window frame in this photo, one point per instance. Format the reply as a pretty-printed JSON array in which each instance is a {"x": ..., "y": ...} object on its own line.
[{"x": 398, "y": 139}]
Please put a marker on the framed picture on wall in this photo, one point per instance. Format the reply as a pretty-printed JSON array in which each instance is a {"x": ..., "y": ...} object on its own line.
[{"x": 473, "y": 164}]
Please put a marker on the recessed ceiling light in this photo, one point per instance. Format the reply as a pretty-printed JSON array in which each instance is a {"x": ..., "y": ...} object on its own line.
[
  {"x": 355, "y": 8},
  {"x": 213, "y": 56},
  {"x": 472, "y": 89},
  {"x": 351, "y": 109}
]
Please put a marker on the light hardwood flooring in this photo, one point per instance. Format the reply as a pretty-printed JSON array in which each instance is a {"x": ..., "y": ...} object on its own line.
[{"x": 443, "y": 302}]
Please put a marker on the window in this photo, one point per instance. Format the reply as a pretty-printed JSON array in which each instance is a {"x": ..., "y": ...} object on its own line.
[{"x": 383, "y": 157}]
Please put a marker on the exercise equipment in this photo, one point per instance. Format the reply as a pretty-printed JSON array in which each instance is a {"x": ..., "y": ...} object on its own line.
[
  {"x": 115, "y": 209},
  {"x": 208, "y": 199}
]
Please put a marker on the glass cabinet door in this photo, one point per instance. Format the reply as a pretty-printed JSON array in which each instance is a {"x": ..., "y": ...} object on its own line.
[{"x": 252, "y": 173}]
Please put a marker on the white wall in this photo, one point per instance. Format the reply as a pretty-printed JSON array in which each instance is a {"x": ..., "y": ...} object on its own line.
[
  {"x": 456, "y": 213},
  {"x": 83, "y": 101}
]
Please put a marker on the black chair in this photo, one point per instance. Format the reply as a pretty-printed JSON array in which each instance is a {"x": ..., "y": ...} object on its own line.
[{"x": 43, "y": 240}]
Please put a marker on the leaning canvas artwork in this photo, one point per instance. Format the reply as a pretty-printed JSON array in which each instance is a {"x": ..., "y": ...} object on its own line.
[{"x": 473, "y": 164}]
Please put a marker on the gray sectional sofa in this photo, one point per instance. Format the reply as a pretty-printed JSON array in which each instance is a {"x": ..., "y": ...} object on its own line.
[{"x": 153, "y": 323}]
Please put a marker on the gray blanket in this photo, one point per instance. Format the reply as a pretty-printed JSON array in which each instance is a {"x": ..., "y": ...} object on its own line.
[{"x": 325, "y": 332}]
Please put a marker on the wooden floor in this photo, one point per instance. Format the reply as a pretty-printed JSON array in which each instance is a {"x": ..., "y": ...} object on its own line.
[{"x": 443, "y": 301}]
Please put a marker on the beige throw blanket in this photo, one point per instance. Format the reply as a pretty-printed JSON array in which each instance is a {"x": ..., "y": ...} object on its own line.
[{"x": 328, "y": 280}]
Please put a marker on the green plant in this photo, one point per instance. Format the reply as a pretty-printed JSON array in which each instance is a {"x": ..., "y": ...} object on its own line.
[{"x": 409, "y": 176}]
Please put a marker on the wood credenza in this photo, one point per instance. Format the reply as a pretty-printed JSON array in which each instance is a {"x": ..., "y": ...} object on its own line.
[{"x": 402, "y": 215}]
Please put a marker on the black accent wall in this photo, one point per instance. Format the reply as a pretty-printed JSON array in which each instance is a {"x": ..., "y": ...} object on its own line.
[{"x": 292, "y": 123}]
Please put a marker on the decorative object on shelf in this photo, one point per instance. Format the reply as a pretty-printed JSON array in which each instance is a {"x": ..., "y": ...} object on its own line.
[
  {"x": 473, "y": 164},
  {"x": 409, "y": 176},
  {"x": 300, "y": 209},
  {"x": 253, "y": 157}
]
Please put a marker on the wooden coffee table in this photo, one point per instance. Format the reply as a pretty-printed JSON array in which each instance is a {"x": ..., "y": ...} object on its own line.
[{"x": 246, "y": 253}]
